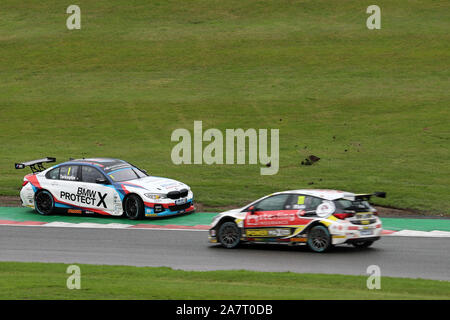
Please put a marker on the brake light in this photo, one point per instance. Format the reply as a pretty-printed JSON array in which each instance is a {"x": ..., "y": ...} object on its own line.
[
  {"x": 343, "y": 215},
  {"x": 24, "y": 183}
]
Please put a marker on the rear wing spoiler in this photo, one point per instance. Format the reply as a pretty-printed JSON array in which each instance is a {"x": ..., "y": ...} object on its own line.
[
  {"x": 367, "y": 196},
  {"x": 35, "y": 165}
]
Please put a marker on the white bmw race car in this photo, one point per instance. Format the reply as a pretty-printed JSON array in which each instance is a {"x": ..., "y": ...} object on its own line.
[
  {"x": 318, "y": 218},
  {"x": 103, "y": 186}
]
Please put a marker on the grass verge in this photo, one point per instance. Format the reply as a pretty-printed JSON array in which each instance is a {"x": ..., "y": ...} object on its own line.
[{"x": 19, "y": 280}]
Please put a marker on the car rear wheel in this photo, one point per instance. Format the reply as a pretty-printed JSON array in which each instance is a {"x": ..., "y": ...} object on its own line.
[
  {"x": 133, "y": 207},
  {"x": 319, "y": 239},
  {"x": 229, "y": 235},
  {"x": 362, "y": 244},
  {"x": 44, "y": 203}
]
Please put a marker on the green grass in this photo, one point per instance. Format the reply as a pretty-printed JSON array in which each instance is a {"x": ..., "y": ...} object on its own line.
[
  {"x": 20, "y": 280},
  {"x": 139, "y": 69}
]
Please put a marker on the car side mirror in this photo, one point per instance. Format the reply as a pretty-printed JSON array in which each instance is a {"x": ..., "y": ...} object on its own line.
[
  {"x": 252, "y": 209},
  {"x": 101, "y": 181}
]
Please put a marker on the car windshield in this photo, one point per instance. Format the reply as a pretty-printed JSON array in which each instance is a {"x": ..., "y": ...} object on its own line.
[
  {"x": 125, "y": 174},
  {"x": 353, "y": 205}
]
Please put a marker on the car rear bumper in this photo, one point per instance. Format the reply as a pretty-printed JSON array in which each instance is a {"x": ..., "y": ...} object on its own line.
[
  {"x": 348, "y": 236},
  {"x": 27, "y": 196}
]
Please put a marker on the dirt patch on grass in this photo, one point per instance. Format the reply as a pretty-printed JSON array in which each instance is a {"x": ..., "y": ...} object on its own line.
[
  {"x": 14, "y": 201},
  {"x": 10, "y": 201}
]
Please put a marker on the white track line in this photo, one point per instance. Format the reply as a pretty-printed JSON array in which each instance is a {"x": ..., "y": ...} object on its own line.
[{"x": 415, "y": 233}]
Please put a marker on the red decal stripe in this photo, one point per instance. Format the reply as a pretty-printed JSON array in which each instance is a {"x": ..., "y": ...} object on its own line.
[
  {"x": 23, "y": 223},
  {"x": 82, "y": 208},
  {"x": 125, "y": 189},
  {"x": 33, "y": 180}
]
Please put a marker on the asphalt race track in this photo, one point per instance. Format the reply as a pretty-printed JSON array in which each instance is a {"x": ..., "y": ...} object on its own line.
[{"x": 427, "y": 258}]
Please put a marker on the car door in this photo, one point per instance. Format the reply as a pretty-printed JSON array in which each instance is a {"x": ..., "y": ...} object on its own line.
[
  {"x": 96, "y": 192},
  {"x": 65, "y": 188},
  {"x": 267, "y": 217},
  {"x": 279, "y": 216}
]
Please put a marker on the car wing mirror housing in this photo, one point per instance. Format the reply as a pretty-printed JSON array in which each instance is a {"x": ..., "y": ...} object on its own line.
[{"x": 252, "y": 209}]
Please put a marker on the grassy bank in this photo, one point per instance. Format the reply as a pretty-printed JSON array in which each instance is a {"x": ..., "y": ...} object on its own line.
[{"x": 372, "y": 104}]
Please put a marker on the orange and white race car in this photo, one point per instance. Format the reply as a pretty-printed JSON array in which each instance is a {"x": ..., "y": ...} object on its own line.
[{"x": 318, "y": 218}]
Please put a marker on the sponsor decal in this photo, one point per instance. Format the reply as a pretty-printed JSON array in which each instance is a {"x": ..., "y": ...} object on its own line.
[
  {"x": 363, "y": 215},
  {"x": 69, "y": 178},
  {"x": 270, "y": 218},
  {"x": 73, "y": 211},
  {"x": 276, "y": 218},
  {"x": 85, "y": 196},
  {"x": 279, "y": 232},
  {"x": 325, "y": 209},
  {"x": 299, "y": 239},
  {"x": 256, "y": 233}
]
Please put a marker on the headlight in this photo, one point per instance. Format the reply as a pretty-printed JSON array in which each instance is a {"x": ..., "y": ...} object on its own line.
[{"x": 155, "y": 196}]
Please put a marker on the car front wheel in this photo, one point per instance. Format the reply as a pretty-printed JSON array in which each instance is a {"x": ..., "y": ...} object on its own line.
[
  {"x": 133, "y": 207},
  {"x": 229, "y": 235}
]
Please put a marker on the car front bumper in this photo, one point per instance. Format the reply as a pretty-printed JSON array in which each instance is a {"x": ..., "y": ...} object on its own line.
[{"x": 168, "y": 209}]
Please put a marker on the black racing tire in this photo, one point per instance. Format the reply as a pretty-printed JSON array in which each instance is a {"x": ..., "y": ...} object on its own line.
[
  {"x": 319, "y": 239},
  {"x": 362, "y": 244},
  {"x": 44, "y": 203},
  {"x": 229, "y": 235},
  {"x": 133, "y": 207}
]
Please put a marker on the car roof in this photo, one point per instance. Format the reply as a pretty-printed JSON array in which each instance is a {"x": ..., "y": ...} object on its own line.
[
  {"x": 106, "y": 164},
  {"x": 326, "y": 194}
]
